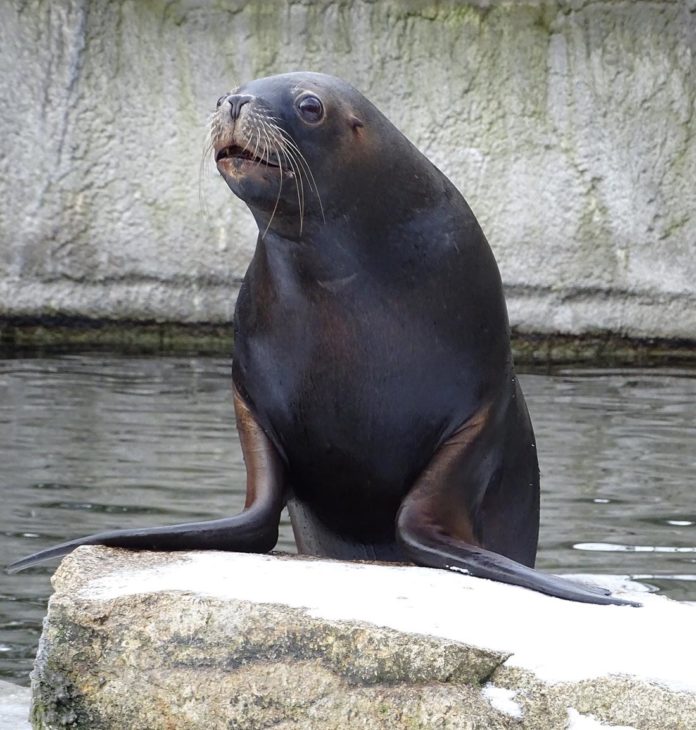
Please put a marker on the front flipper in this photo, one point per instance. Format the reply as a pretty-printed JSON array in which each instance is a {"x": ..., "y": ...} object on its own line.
[
  {"x": 436, "y": 524},
  {"x": 255, "y": 530}
]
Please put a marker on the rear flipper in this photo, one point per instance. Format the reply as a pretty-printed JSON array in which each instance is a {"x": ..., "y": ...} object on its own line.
[
  {"x": 445, "y": 519},
  {"x": 253, "y": 530},
  {"x": 249, "y": 531},
  {"x": 428, "y": 546}
]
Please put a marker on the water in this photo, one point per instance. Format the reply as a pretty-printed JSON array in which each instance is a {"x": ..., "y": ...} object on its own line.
[{"x": 95, "y": 442}]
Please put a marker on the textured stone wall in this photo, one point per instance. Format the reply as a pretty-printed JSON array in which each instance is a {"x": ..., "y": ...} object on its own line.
[{"x": 569, "y": 126}]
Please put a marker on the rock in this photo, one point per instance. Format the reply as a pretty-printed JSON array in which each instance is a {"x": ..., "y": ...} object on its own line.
[
  {"x": 14, "y": 706},
  {"x": 568, "y": 125},
  {"x": 208, "y": 639}
]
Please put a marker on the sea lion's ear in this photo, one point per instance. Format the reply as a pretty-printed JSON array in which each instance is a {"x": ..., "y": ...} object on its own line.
[{"x": 355, "y": 123}]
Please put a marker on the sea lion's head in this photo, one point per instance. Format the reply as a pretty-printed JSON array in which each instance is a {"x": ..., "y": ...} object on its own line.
[{"x": 298, "y": 147}]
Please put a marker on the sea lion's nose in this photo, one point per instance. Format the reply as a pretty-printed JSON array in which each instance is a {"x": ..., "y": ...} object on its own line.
[{"x": 236, "y": 102}]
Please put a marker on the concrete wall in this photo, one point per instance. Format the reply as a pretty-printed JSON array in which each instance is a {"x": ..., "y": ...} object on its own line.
[{"x": 569, "y": 126}]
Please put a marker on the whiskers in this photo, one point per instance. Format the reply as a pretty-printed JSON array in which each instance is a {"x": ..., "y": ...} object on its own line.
[
  {"x": 207, "y": 157},
  {"x": 297, "y": 162},
  {"x": 262, "y": 140}
]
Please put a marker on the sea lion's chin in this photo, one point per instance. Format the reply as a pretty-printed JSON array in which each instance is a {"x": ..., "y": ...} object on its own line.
[
  {"x": 272, "y": 207},
  {"x": 250, "y": 181}
]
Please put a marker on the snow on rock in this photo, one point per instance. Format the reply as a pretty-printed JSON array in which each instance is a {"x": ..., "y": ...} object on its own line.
[
  {"x": 14, "y": 707},
  {"x": 601, "y": 639},
  {"x": 213, "y": 639},
  {"x": 503, "y": 700}
]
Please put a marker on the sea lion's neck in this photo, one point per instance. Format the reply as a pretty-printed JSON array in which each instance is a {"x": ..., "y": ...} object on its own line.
[{"x": 306, "y": 262}]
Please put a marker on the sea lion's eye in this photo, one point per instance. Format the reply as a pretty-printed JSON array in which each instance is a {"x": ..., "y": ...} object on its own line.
[{"x": 311, "y": 109}]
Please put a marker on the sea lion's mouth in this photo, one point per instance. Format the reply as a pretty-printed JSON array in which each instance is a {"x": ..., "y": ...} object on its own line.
[{"x": 235, "y": 152}]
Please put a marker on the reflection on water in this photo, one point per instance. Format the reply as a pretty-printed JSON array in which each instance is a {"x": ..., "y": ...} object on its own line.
[
  {"x": 617, "y": 451},
  {"x": 96, "y": 442}
]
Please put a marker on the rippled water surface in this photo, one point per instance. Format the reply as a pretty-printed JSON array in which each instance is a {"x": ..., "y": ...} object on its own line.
[{"x": 95, "y": 442}]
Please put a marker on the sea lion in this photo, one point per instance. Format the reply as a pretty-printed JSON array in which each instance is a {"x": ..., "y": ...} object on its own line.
[{"x": 374, "y": 386}]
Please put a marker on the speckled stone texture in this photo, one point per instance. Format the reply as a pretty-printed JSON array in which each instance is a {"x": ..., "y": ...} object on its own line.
[
  {"x": 154, "y": 641},
  {"x": 568, "y": 125}
]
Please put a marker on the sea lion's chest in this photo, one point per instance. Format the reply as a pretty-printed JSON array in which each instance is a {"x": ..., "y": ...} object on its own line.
[
  {"x": 359, "y": 367},
  {"x": 346, "y": 377}
]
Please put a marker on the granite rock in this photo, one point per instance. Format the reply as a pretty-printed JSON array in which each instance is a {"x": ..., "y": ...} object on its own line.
[{"x": 206, "y": 640}]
